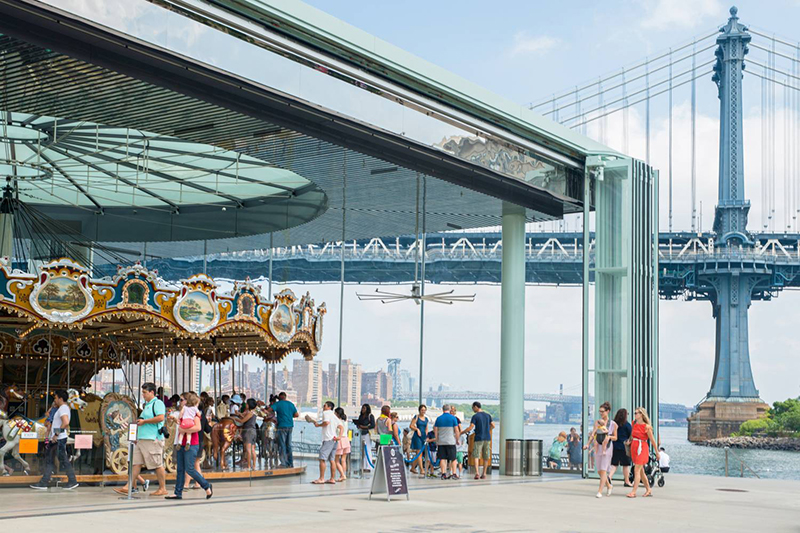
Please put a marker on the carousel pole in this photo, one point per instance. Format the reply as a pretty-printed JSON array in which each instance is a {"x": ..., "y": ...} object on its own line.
[
  {"x": 341, "y": 283},
  {"x": 139, "y": 384},
  {"x": 95, "y": 370},
  {"x": 269, "y": 294},
  {"x": 49, "y": 351},
  {"x": 26, "y": 381}
]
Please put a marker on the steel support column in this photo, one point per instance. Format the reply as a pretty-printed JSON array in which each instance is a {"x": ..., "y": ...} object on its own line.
[{"x": 512, "y": 328}]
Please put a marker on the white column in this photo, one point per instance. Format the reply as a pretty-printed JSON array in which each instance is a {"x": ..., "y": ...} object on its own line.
[{"x": 512, "y": 328}]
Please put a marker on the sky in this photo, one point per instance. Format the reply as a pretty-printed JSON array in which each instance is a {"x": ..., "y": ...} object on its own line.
[{"x": 525, "y": 51}]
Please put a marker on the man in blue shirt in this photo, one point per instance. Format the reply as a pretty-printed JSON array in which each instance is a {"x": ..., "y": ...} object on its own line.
[
  {"x": 482, "y": 444},
  {"x": 285, "y": 411},
  {"x": 447, "y": 432}
]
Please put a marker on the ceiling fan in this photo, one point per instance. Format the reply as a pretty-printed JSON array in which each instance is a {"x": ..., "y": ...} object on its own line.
[
  {"x": 419, "y": 266},
  {"x": 417, "y": 296}
]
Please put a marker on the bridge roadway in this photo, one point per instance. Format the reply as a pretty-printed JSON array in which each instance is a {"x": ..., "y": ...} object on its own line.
[{"x": 474, "y": 257}]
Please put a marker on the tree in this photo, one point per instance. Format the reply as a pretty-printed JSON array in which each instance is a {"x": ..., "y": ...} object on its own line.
[{"x": 49, "y": 292}]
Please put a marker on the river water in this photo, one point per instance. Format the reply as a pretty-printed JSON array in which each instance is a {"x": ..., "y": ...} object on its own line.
[{"x": 685, "y": 457}]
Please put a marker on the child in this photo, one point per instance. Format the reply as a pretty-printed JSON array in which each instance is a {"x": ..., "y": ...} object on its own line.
[
  {"x": 600, "y": 431},
  {"x": 188, "y": 413},
  {"x": 461, "y": 451},
  {"x": 431, "y": 460}
]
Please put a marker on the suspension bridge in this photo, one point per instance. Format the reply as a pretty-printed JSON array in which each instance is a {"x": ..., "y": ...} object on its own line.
[{"x": 730, "y": 265}]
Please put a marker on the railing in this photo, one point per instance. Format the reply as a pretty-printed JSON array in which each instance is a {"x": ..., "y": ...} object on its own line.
[{"x": 742, "y": 464}]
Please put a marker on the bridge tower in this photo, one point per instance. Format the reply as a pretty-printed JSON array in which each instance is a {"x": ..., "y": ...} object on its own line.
[{"x": 729, "y": 284}]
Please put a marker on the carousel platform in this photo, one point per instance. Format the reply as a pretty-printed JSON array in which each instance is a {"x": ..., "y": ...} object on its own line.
[{"x": 238, "y": 475}]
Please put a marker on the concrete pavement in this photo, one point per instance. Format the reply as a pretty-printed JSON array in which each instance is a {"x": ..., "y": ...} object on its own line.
[{"x": 552, "y": 503}]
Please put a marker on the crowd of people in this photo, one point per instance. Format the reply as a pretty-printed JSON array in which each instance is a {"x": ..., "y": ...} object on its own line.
[{"x": 431, "y": 447}]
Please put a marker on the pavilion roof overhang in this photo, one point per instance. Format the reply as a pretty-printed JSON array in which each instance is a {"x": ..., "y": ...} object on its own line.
[{"x": 480, "y": 190}]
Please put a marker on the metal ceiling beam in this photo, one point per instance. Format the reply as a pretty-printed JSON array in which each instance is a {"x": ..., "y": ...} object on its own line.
[
  {"x": 192, "y": 185},
  {"x": 89, "y": 164},
  {"x": 68, "y": 178},
  {"x": 195, "y": 167}
]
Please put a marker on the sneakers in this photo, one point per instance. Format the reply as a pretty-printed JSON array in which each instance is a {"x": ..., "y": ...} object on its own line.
[
  {"x": 445, "y": 476},
  {"x": 146, "y": 484},
  {"x": 454, "y": 476},
  {"x": 70, "y": 486},
  {"x": 39, "y": 486},
  {"x": 599, "y": 495}
]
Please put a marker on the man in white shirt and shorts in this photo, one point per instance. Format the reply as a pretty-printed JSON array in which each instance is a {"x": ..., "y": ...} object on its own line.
[{"x": 327, "y": 451}]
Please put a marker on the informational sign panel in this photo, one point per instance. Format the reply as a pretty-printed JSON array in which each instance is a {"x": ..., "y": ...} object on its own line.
[
  {"x": 132, "y": 430},
  {"x": 390, "y": 473},
  {"x": 28, "y": 442},
  {"x": 83, "y": 442}
]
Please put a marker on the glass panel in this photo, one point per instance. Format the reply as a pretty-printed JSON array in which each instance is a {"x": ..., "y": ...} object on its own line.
[
  {"x": 326, "y": 87},
  {"x": 607, "y": 296}
]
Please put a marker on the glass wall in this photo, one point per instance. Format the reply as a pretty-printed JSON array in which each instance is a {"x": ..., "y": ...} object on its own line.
[{"x": 620, "y": 291}]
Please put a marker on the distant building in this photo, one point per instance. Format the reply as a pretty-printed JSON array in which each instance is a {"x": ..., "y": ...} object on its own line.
[
  {"x": 352, "y": 380},
  {"x": 307, "y": 381},
  {"x": 377, "y": 385},
  {"x": 329, "y": 381},
  {"x": 404, "y": 382}
]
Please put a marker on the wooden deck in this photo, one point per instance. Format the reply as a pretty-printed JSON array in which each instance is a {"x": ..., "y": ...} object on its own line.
[{"x": 11, "y": 481}]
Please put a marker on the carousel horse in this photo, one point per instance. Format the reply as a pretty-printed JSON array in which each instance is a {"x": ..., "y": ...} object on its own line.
[
  {"x": 12, "y": 428},
  {"x": 223, "y": 434}
]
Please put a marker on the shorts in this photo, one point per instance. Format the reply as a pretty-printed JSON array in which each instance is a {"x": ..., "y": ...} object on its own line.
[
  {"x": 249, "y": 436},
  {"x": 460, "y": 457},
  {"x": 327, "y": 452},
  {"x": 482, "y": 449},
  {"x": 149, "y": 453},
  {"x": 343, "y": 447},
  {"x": 447, "y": 452},
  {"x": 619, "y": 457}
]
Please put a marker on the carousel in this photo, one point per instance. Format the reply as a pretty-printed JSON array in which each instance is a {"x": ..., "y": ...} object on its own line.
[
  {"x": 60, "y": 327},
  {"x": 82, "y": 197}
]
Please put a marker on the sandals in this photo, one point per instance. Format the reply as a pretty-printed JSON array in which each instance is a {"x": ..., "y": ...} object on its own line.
[
  {"x": 648, "y": 494},
  {"x": 317, "y": 482},
  {"x": 631, "y": 495}
]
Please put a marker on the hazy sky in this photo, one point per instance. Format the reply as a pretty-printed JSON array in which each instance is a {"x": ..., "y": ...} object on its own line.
[{"x": 525, "y": 51}]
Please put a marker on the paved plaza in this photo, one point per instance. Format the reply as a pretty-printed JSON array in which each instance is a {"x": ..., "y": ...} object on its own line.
[{"x": 552, "y": 503}]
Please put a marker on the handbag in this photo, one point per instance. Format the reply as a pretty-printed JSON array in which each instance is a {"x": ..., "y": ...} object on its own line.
[{"x": 628, "y": 448}]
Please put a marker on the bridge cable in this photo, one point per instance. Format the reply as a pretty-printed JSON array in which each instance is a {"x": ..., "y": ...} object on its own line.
[
  {"x": 602, "y": 105},
  {"x": 694, "y": 142},
  {"x": 625, "y": 115},
  {"x": 670, "y": 142},
  {"x": 632, "y": 103},
  {"x": 625, "y": 81},
  {"x": 764, "y": 164},
  {"x": 615, "y": 74},
  {"x": 647, "y": 111}
]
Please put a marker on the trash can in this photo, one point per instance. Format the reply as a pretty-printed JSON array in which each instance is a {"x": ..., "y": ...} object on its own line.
[
  {"x": 513, "y": 457},
  {"x": 533, "y": 457}
]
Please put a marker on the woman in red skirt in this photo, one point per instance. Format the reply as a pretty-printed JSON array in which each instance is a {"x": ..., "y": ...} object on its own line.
[{"x": 640, "y": 450}]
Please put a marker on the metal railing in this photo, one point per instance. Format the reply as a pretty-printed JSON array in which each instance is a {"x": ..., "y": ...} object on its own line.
[{"x": 742, "y": 464}]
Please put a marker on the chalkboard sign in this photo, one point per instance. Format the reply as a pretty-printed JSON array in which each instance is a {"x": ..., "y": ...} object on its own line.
[{"x": 390, "y": 473}]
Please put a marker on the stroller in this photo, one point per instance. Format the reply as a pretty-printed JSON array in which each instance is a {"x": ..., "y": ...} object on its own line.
[{"x": 652, "y": 470}]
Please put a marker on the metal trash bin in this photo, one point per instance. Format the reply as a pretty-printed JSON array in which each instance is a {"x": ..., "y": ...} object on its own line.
[
  {"x": 533, "y": 457},
  {"x": 513, "y": 457}
]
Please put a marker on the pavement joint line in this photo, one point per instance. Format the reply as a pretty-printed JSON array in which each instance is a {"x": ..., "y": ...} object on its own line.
[{"x": 239, "y": 498}]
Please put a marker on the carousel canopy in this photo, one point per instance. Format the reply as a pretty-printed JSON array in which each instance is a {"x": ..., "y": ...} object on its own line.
[
  {"x": 128, "y": 185},
  {"x": 61, "y": 313}
]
